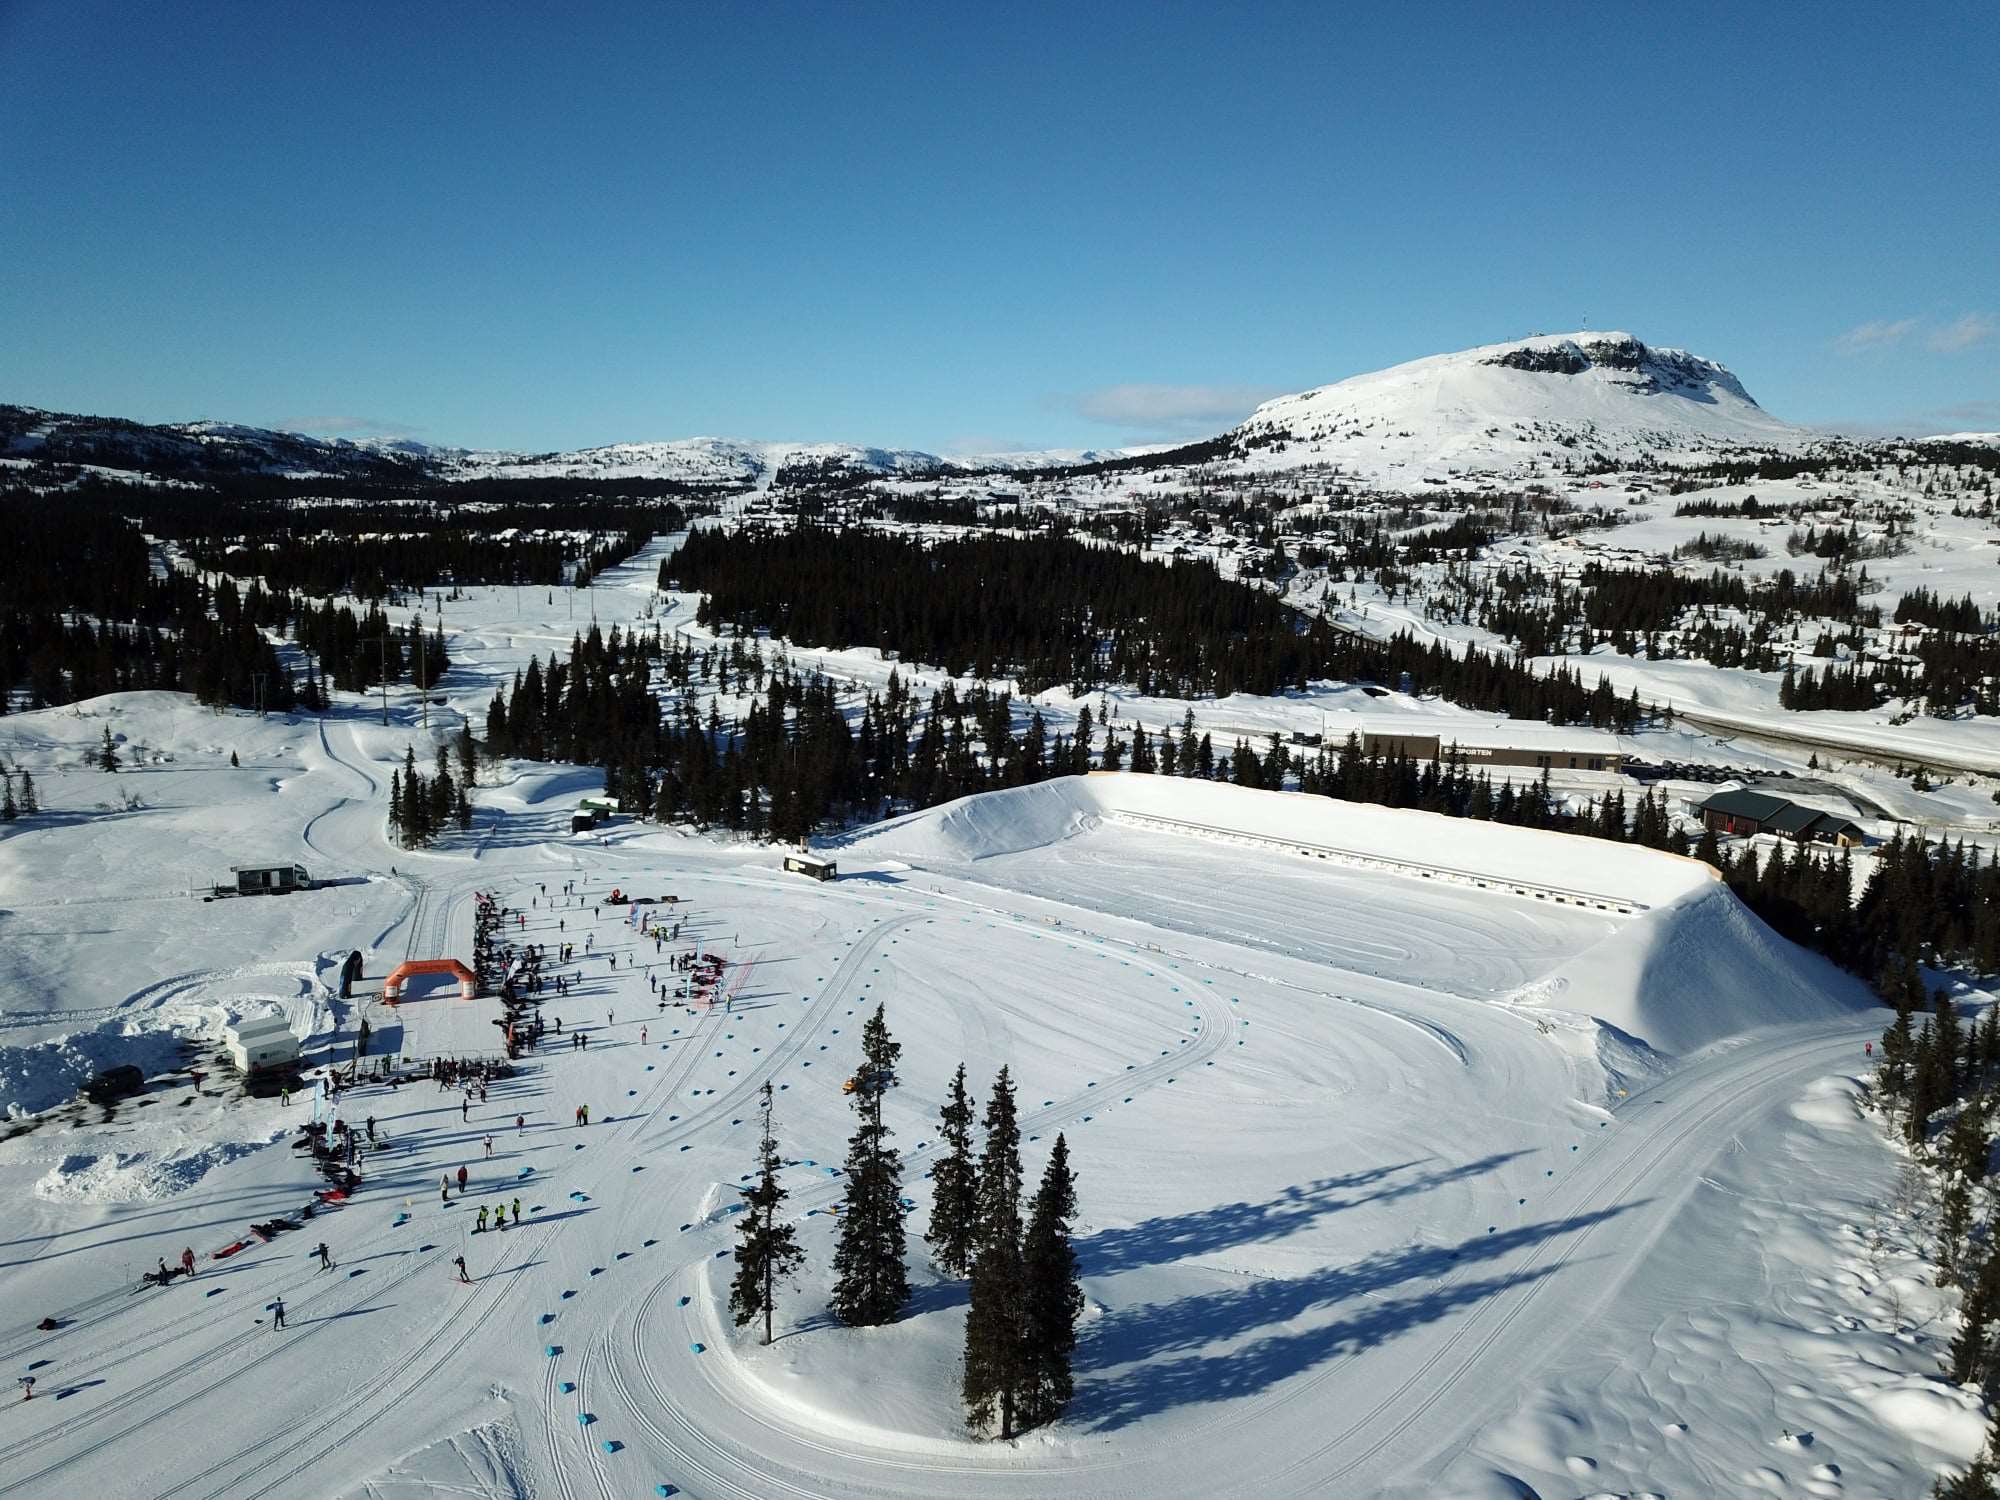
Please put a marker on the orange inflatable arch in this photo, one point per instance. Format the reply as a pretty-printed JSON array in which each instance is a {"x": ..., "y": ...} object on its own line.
[{"x": 392, "y": 987}]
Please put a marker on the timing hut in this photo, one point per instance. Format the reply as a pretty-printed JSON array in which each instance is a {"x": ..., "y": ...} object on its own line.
[
  {"x": 807, "y": 864},
  {"x": 257, "y": 1044},
  {"x": 265, "y": 880}
]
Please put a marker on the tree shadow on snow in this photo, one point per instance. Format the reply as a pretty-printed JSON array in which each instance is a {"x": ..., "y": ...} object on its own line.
[
  {"x": 1155, "y": 1242},
  {"x": 1162, "y": 1353}
]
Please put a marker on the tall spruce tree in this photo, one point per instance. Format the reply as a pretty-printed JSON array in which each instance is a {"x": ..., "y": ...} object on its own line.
[
  {"x": 995, "y": 1363},
  {"x": 1054, "y": 1294},
  {"x": 871, "y": 1283},
  {"x": 767, "y": 1251},
  {"x": 107, "y": 752},
  {"x": 955, "y": 1181}
]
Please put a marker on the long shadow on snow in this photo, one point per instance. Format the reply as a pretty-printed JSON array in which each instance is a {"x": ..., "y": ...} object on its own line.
[
  {"x": 1155, "y": 1242},
  {"x": 1133, "y": 1339}
]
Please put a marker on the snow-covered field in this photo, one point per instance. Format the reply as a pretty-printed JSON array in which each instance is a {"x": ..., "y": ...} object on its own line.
[{"x": 1392, "y": 1183}]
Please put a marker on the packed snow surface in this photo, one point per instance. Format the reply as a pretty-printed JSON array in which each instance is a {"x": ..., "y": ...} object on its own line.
[{"x": 1392, "y": 1183}]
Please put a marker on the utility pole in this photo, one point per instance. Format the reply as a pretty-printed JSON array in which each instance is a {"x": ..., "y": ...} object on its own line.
[{"x": 423, "y": 678}]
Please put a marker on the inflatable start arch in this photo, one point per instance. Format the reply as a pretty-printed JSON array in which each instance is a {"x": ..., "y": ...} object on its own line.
[{"x": 392, "y": 987}]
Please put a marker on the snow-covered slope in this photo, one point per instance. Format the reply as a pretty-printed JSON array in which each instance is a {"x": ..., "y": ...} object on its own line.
[{"x": 1549, "y": 402}]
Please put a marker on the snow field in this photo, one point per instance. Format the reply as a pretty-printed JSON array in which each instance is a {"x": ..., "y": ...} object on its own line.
[{"x": 1361, "y": 1195}]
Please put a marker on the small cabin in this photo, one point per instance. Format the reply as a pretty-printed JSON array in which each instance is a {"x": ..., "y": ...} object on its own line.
[
  {"x": 261, "y": 1043},
  {"x": 264, "y": 880},
  {"x": 807, "y": 864}
]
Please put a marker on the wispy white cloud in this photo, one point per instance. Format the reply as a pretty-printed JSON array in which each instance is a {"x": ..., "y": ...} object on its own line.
[
  {"x": 1877, "y": 334},
  {"x": 1173, "y": 410},
  {"x": 1963, "y": 333},
  {"x": 343, "y": 425},
  {"x": 1966, "y": 331},
  {"x": 983, "y": 444}
]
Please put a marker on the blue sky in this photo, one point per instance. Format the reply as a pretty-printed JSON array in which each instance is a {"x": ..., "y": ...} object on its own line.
[{"x": 955, "y": 226}]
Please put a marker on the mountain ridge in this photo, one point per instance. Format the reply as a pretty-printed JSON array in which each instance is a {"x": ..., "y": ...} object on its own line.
[{"x": 1546, "y": 403}]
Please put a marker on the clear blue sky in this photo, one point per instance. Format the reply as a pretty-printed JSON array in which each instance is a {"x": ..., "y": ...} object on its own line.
[{"x": 546, "y": 225}]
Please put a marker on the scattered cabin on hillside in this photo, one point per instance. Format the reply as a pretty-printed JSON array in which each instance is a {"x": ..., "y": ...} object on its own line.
[
  {"x": 1511, "y": 742},
  {"x": 1743, "y": 813}
]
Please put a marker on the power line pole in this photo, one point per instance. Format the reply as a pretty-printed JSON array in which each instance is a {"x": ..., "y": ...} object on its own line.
[{"x": 423, "y": 678}]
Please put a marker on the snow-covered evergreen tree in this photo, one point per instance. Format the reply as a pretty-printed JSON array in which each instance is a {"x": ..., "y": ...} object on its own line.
[
  {"x": 955, "y": 1181},
  {"x": 767, "y": 1250},
  {"x": 1053, "y": 1294},
  {"x": 871, "y": 1284},
  {"x": 995, "y": 1370}
]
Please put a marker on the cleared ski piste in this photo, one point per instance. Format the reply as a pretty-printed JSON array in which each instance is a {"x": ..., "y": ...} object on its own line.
[{"x": 1391, "y": 1184}]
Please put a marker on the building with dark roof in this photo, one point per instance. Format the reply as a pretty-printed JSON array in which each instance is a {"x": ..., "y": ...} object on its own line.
[{"x": 1745, "y": 812}]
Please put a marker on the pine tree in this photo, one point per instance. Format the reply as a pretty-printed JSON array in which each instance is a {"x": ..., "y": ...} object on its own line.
[
  {"x": 31, "y": 804},
  {"x": 767, "y": 1251},
  {"x": 8, "y": 811},
  {"x": 955, "y": 1206},
  {"x": 1969, "y": 1350},
  {"x": 1954, "y": 1225},
  {"x": 1054, "y": 1294},
  {"x": 107, "y": 753},
  {"x": 1899, "y": 1045},
  {"x": 995, "y": 1369},
  {"x": 233, "y": 760},
  {"x": 396, "y": 804},
  {"x": 871, "y": 1284}
]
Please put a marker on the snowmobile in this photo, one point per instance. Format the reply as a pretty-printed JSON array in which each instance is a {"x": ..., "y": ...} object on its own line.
[{"x": 867, "y": 1081}]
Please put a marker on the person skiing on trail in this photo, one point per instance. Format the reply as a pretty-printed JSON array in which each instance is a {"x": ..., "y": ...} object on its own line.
[
  {"x": 642, "y": 1036},
  {"x": 371, "y": 1129},
  {"x": 187, "y": 1260},
  {"x": 277, "y": 1314},
  {"x": 465, "y": 1107},
  {"x": 480, "y": 1227},
  {"x": 489, "y": 1146},
  {"x": 579, "y": 1114},
  {"x": 27, "y": 1387},
  {"x": 163, "y": 1270},
  {"x": 459, "y": 1261},
  {"x": 517, "y": 1210},
  {"x": 325, "y": 1257},
  {"x": 520, "y": 1125},
  {"x": 461, "y": 1179},
  {"x": 285, "y": 1097}
]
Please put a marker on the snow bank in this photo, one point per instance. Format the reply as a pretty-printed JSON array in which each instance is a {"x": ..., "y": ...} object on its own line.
[
  {"x": 996, "y": 823},
  {"x": 1700, "y": 968},
  {"x": 138, "y": 1176},
  {"x": 1693, "y": 965}
]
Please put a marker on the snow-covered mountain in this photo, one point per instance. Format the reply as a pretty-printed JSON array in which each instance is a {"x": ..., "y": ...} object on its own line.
[
  {"x": 1549, "y": 403},
  {"x": 1552, "y": 401}
]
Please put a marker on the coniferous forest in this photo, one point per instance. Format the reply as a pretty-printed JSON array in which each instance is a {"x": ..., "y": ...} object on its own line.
[{"x": 1048, "y": 611}]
